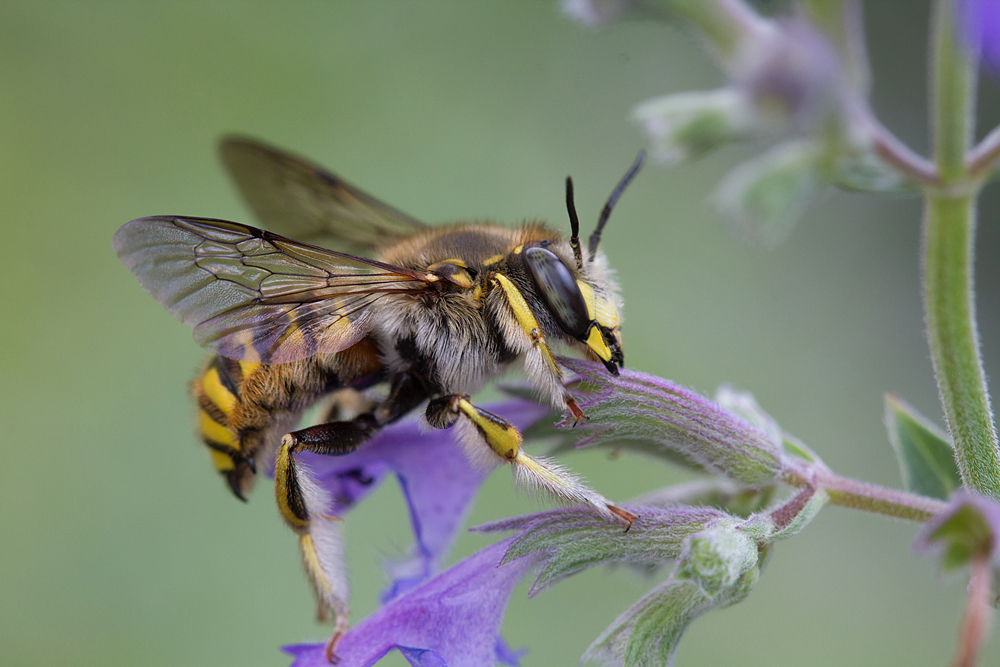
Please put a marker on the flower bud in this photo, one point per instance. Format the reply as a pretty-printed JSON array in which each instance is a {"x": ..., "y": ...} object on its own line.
[
  {"x": 791, "y": 75},
  {"x": 659, "y": 417},
  {"x": 688, "y": 125}
]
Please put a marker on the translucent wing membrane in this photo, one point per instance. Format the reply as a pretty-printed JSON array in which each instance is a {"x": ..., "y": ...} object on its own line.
[
  {"x": 256, "y": 296},
  {"x": 302, "y": 200}
]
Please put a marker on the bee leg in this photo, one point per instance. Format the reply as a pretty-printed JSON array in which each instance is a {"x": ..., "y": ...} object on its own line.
[
  {"x": 336, "y": 439},
  {"x": 480, "y": 427},
  {"x": 302, "y": 503}
]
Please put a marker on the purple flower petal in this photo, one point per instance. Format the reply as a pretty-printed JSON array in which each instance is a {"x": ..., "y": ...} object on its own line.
[
  {"x": 979, "y": 21},
  {"x": 436, "y": 478},
  {"x": 452, "y": 620}
]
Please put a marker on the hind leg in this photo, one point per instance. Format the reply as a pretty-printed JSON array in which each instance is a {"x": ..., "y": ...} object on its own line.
[{"x": 303, "y": 504}]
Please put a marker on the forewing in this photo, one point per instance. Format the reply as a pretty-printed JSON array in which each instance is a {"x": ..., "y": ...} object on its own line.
[
  {"x": 304, "y": 201},
  {"x": 254, "y": 295}
]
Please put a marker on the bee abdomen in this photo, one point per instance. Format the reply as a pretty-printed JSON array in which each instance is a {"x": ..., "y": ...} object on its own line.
[
  {"x": 244, "y": 408},
  {"x": 217, "y": 392}
]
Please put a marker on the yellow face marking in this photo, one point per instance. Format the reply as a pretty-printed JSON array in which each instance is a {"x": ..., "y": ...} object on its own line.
[
  {"x": 501, "y": 436},
  {"x": 223, "y": 463},
  {"x": 526, "y": 319},
  {"x": 595, "y": 341},
  {"x": 495, "y": 259},
  {"x": 212, "y": 385},
  {"x": 599, "y": 310},
  {"x": 518, "y": 249},
  {"x": 216, "y": 432}
]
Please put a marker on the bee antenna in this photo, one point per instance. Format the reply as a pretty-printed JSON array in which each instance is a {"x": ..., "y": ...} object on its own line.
[
  {"x": 595, "y": 238},
  {"x": 574, "y": 224}
]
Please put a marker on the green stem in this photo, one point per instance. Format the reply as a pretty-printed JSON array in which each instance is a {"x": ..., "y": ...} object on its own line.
[
  {"x": 867, "y": 497},
  {"x": 953, "y": 95},
  {"x": 949, "y": 238},
  {"x": 949, "y": 231}
]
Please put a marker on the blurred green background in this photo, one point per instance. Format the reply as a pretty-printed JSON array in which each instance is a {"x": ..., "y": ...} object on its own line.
[{"x": 118, "y": 543}]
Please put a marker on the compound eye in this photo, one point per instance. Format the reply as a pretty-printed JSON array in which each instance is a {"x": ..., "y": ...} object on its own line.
[{"x": 560, "y": 291}]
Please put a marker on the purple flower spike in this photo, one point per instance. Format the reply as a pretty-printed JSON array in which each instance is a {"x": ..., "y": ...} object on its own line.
[
  {"x": 452, "y": 620},
  {"x": 980, "y": 25},
  {"x": 662, "y": 418},
  {"x": 969, "y": 529},
  {"x": 436, "y": 477}
]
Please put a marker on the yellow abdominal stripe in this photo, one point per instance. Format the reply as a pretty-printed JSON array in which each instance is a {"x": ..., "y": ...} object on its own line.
[
  {"x": 212, "y": 385},
  {"x": 222, "y": 461},
  {"x": 216, "y": 432}
]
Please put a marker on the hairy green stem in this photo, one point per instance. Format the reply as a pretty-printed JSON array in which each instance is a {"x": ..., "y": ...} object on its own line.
[
  {"x": 949, "y": 230},
  {"x": 949, "y": 241},
  {"x": 953, "y": 95},
  {"x": 867, "y": 497}
]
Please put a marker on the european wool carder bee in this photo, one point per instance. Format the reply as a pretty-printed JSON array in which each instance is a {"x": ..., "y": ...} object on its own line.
[{"x": 433, "y": 313}]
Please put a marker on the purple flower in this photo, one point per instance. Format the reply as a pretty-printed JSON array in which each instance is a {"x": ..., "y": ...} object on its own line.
[
  {"x": 452, "y": 620},
  {"x": 979, "y": 21},
  {"x": 436, "y": 477}
]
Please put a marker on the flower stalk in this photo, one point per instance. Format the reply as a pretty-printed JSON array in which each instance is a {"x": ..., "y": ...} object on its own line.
[
  {"x": 851, "y": 493},
  {"x": 948, "y": 242}
]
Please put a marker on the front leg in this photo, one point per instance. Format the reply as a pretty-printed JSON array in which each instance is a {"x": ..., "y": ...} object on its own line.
[{"x": 491, "y": 440}]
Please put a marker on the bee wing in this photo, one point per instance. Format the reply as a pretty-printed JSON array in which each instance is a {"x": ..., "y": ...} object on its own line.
[
  {"x": 256, "y": 296},
  {"x": 292, "y": 196}
]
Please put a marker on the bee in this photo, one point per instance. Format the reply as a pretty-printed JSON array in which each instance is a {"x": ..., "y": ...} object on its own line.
[{"x": 367, "y": 295}]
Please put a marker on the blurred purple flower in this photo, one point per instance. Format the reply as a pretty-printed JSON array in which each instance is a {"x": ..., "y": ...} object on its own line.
[
  {"x": 452, "y": 620},
  {"x": 980, "y": 25},
  {"x": 435, "y": 475}
]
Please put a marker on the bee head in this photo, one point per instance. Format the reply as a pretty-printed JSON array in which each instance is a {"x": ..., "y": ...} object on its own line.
[
  {"x": 580, "y": 303},
  {"x": 583, "y": 313}
]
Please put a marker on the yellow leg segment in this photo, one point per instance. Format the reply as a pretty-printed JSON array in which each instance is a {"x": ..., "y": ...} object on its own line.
[
  {"x": 526, "y": 319},
  {"x": 492, "y": 440},
  {"x": 498, "y": 433}
]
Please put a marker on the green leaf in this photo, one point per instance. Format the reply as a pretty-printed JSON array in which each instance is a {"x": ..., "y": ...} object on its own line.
[{"x": 926, "y": 457}]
